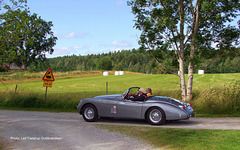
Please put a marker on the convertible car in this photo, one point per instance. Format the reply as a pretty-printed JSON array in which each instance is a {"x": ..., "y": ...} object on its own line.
[{"x": 155, "y": 109}]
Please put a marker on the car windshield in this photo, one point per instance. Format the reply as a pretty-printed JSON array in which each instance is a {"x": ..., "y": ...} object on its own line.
[{"x": 132, "y": 90}]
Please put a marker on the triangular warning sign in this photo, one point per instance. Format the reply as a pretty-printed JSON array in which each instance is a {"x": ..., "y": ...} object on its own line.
[{"x": 48, "y": 76}]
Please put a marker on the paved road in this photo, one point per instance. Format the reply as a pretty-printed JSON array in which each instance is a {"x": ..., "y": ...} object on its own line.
[{"x": 44, "y": 130}]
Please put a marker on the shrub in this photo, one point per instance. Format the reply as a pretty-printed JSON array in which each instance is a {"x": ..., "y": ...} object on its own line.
[
  {"x": 20, "y": 101},
  {"x": 32, "y": 100}
]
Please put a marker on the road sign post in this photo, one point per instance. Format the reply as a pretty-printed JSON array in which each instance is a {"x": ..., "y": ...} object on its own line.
[
  {"x": 48, "y": 78},
  {"x": 46, "y": 93}
]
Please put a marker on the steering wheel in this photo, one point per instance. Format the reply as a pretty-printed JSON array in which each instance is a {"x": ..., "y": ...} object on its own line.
[
  {"x": 129, "y": 95},
  {"x": 133, "y": 95}
]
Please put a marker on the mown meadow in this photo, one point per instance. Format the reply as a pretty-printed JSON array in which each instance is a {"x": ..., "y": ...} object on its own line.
[{"x": 213, "y": 93}]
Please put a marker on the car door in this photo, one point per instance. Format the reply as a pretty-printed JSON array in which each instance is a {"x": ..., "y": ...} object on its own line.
[
  {"x": 107, "y": 108},
  {"x": 129, "y": 109}
]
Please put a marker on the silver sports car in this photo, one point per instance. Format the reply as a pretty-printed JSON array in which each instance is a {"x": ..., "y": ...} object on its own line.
[{"x": 155, "y": 109}]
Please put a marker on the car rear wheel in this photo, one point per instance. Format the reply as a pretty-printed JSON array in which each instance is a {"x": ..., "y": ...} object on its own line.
[
  {"x": 90, "y": 113},
  {"x": 155, "y": 116}
]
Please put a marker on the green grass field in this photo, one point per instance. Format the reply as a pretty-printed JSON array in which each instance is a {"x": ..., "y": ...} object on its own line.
[
  {"x": 210, "y": 90},
  {"x": 121, "y": 83}
]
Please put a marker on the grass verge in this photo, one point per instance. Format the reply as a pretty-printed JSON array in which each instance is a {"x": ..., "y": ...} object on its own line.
[
  {"x": 34, "y": 101},
  {"x": 166, "y": 138}
]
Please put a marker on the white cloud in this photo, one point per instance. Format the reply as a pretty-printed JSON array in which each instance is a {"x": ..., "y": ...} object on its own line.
[
  {"x": 61, "y": 51},
  {"x": 76, "y": 47},
  {"x": 80, "y": 34},
  {"x": 119, "y": 2},
  {"x": 84, "y": 47},
  {"x": 121, "y": 44},
  {"x": 70, "y": 35}
]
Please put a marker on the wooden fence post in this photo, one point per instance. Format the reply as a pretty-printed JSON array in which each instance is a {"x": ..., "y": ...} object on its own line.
[
  {"x": 106, "y": 88},
  {"x": 16, "y": 89}
]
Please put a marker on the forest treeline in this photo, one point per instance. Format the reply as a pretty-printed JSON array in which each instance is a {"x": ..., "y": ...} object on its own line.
[{"x": 135, "y": 61}]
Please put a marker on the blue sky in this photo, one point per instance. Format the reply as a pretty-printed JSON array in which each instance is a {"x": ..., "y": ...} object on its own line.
[{"x": 88, "y": 26}]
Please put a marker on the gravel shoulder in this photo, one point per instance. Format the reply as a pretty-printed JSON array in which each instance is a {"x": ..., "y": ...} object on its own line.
[
  {"x": 44, "y": 130},
  {"x": 226, "y": 123}
]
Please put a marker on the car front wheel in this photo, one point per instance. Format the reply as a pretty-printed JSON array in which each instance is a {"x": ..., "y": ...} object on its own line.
[
  {"x": 155, "y": 116},
  {"x": 90, "y": 113}
]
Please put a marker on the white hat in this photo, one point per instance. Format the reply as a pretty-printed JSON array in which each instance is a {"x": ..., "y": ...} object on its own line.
[{"x": 142, "y": 90}]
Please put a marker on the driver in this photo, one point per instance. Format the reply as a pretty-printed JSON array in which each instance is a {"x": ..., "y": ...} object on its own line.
[{"x": 141, "y": 95}]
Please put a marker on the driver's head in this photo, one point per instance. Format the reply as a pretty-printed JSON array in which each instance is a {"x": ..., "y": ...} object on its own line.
[{"x": 141, "y": 91}]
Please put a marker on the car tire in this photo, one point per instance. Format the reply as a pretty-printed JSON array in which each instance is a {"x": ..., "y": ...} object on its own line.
[
  {"x": 155, "y": 116},
  {"x": 90, "y": 113}
]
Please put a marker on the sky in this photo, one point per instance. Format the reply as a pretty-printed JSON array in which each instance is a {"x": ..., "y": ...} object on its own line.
[{"x": 88, "y": 26}]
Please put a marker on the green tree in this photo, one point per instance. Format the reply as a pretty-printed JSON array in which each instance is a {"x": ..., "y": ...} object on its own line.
[
  {"x": 25, "y": 37},
  {"x": 188, "y": 28},
  {"x": 5, "y": 6},
  {"x": 104, "y": 64}
]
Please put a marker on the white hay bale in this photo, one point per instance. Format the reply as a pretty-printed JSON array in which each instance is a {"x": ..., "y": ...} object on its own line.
[
  {"x": 200, "y": 71},
  {"x": 105, "y": 73},
  {"x": 117, "y": 73},
  {"x": 121, "y": 72}
]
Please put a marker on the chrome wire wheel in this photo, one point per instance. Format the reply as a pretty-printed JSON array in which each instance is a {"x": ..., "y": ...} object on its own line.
[
  {"x": 89, "y": 113},
  {"x": 155, "y": 116}
]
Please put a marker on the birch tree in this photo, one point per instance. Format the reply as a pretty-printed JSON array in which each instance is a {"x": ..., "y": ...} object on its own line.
[{"x": 190, "y": 28}]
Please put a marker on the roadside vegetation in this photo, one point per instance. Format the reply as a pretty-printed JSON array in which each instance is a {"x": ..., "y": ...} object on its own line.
[
  {"x": 219, "y": 100},
  {"x": 184, "y": 139},
  {"x": 214, "y": 94}
]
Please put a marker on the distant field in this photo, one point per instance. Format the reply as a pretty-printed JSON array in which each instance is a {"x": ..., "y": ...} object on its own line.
[{"x": 116, "y": 84}]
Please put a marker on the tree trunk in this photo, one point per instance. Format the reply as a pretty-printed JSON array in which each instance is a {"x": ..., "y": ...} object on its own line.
[
  {"x": 182, "y": 79},
  {"x": 195, "y": 27},
  {"x": 181, "y": 55},
  {"x": 190, "y": 82}
]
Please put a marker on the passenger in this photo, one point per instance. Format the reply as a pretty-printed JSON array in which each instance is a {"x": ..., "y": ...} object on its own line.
[
  {"x": 141, "y": 95},
  {"x": 149, "y": 92}
]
